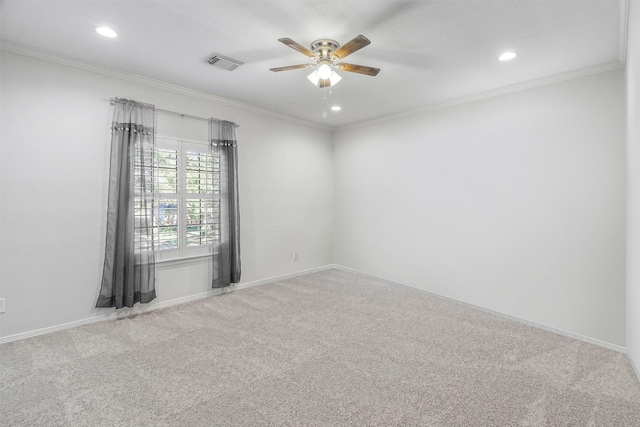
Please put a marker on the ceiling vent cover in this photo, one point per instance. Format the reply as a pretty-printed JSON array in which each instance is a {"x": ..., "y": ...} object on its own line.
[{"x": 224, "y": 62}]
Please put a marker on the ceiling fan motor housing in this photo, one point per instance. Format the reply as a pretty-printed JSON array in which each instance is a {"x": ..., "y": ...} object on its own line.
[{"x": 324, "y": 48}]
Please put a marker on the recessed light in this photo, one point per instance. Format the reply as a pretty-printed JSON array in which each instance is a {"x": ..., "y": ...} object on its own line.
[
  {"x": 507, "y": 56},
  {"x": 336, "y": 108},
  {"x": 107, "y": 32}
]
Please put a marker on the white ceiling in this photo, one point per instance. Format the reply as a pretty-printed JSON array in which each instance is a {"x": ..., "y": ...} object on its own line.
[{"x": 430, "y": 52}]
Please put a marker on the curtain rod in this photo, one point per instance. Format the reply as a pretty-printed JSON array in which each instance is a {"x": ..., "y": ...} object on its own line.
[{"x": 184, "y": 116}]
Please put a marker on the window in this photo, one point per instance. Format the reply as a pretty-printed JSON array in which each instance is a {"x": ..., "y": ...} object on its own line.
[
  {"x": 165, "y": 227},
  {"x": 202, "y": 179},
  {"x": 186, "y": 179}
]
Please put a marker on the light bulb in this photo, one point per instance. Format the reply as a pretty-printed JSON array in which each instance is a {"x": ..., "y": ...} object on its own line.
[{"x": 324, "y": 71}]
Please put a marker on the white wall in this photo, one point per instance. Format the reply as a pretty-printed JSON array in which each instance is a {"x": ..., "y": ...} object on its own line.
[
  {"x": 54, "y": 153},
  {"x": 514, "y": 203},
  {"x": 633, "y": 188}
]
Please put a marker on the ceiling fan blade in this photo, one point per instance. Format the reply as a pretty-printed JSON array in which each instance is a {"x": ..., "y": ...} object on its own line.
[
  {"x": 360, "y": 69},
  {"x": 351, "y": 46},
  {"x": 297, "y": 46},
  {"x": 324, "y": 83},
  {"x": 291, "y": 67}
]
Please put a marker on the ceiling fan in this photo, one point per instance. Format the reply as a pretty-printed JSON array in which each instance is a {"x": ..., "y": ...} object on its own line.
[{"x": 325, "y": 52}]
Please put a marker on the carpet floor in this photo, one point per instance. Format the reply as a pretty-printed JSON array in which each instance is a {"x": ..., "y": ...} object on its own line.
[{"x": 331, "y": 348}]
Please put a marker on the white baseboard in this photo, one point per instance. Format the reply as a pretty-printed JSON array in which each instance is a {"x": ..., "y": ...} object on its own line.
[
  {"x": 55, "y": 328},
  {"x": 139, "y": 309},
  {"x": 146, "y": 308},
  {"x": 284, "y": 276},
  {"x": 569, "y": 334},
  {"x": 633, "y": 365}
]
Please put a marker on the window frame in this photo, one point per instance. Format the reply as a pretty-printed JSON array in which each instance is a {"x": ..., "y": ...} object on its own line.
[{"x": 183, "y": 252}]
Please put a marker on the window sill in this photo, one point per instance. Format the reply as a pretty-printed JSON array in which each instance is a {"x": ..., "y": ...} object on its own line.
[{"x": 172, "y": 262}]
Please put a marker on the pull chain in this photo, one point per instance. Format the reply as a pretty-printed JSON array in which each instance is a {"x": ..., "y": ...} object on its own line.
[{"x": 324, "y": 92}]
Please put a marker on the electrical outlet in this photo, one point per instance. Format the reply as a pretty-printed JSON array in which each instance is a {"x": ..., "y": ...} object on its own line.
[
  {"x": 295, "y": 256},
  {"x": 2, "y": 304}
]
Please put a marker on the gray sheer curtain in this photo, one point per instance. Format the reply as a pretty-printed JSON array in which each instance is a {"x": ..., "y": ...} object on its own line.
[
  {"x": 226, "y": 253},
  {"x": 128, "y": 274}
]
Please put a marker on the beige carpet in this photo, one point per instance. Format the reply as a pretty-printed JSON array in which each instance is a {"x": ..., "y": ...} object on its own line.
[{"x": 327, "y": 349}]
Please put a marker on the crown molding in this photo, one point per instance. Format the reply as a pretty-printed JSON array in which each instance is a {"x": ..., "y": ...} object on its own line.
[
  {"x": 601, "y": 68},
  {"x": 556, "y": 78},
  {"x": 624, "y": 31},
  {"x": 43, "y": 55},
  {"x": 158, "y": 84}
]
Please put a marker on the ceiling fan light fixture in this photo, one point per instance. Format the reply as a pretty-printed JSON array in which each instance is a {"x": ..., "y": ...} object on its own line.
[
  {"x": 314, "y": 78},
  {"x": 334, "y": 78},
  {"x": 324, "y": 71}
]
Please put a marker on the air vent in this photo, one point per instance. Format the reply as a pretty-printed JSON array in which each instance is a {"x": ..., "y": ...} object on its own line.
[{"x": 224, "y": 62}]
